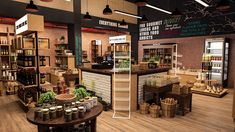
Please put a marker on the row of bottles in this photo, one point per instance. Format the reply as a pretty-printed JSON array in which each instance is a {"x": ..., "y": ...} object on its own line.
[
  {"x": 42, "y": 60},
  {"x": 216, "y": 65},
  {"x": 26, "y": 61},
  {"x": 208, "y": 57},
  {"x": 3, "y": 41},
  {"x": 5, "y": 66},
  {"x": 9, "y": 75},
  {"x": 4, "y": 51},
  {"x": 27, "y": 76}
]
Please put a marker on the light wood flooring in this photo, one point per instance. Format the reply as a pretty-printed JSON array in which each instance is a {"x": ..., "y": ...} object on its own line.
[{"x": 208, "y": 114}]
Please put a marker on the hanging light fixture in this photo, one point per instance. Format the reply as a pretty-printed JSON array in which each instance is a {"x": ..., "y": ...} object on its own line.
[
  {"x": 140, "y": 2},
  {"x": 176, "y": 13},
  {"x": 87, "y": 16},
  {"x": 107, "y": 10},
  {"x": 46, "y": 0},
  {"x": 144, "y": 19},
  {"x": 31, "y": 7},
  {"x": 223, "y": 5},
  {"x": 123, "y": 23}
]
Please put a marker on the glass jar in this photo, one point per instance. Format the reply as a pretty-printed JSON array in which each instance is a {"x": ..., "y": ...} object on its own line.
[
  {"x": 46, "y": 115},
  {"x": 52, "y": 113},
  {"x": 68, "y": 115},
  {"x": 81, "y": 111},
  {"x": 59, "y": 111},
  {"x": 75, "y": 113}
]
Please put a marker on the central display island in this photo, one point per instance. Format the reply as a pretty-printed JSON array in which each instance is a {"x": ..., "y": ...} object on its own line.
[{"x": 101, "y": 81}]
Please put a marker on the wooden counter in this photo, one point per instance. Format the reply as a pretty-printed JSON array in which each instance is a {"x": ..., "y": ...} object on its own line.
[{"x": 101, "y": 81}]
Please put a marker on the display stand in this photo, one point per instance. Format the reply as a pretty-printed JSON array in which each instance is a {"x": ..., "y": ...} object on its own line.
[
  {"x": 122, "y": 76},
  {"x": 28, "y": 75}
]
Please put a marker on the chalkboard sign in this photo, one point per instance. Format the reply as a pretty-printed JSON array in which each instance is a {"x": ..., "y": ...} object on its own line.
[{"x": 196, "y": 21}]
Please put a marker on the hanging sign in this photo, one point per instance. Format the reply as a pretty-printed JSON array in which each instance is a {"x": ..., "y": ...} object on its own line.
[
  {"x": 29, "y": 23},
  {"x": 112, "y": 24},
  {"x": 120, "y": 39}
]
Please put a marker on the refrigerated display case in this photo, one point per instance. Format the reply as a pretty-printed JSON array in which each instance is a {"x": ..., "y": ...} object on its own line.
[{"x": 216, "y": 59}]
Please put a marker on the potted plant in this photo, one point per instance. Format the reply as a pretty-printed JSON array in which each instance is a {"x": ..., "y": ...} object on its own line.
[
  {"x": 152, "y": 64},
  {"x": 62, "y": 39},
  {"x": 47, "y": 97}
]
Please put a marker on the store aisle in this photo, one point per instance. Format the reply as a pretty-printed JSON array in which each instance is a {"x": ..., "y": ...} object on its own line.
[{"x": 208, "y": 114}]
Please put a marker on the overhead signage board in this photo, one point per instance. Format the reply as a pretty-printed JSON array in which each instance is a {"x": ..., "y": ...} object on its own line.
[
  {"x": 29, "y": 23},
  {"x": 120, "y": 39}
]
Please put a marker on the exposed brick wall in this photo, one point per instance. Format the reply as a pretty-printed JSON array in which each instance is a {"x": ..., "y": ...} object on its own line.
[{"x": 192, "y": 49}]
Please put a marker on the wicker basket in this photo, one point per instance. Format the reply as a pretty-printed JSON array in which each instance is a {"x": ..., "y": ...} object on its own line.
[
  {"x": 154, "y": 110},
  {"x": 168, "y": 109},
  {"x": 65, "y": 98},
  {"x": 144, "y": 108}
]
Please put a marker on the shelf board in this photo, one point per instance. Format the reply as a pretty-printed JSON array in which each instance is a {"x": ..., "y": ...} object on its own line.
[
  {"x": 26, "y": 67},
  {"x": 6, "y": 69},
  {"x": 61, "y": 44},
  {"x": 27, "y": 49},
  {"x": 217, "y": 74},
  {"x": 28, "y": 86},
  {"x": 122, "y": 99},
  {"x": 4, "y": 55},
  {"x": 216, "y": 61},
  {"x": 214, "y": 48},
  {"x": 122, "y": 80},
  {"x": 216, "y": 67},
  {"x": 202, "y": 92},
  {"x": 122, "y": 89},
  {"x": 119, "y": 108},
  {"x": 122, "y": 57},
  {"x": 64, "y": 56},
  {"x": 5, "y": 45},
  {"x": 122, "y": 69}
]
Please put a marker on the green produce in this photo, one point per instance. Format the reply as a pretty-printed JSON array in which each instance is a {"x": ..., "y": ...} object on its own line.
[
  {"x": 50, "y": 96},
  {"x": 80, "y": 93}
]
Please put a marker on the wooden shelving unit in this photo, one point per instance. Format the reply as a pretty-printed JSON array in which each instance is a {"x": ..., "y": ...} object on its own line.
[
  {"x": 63, "y": 60},
  {"x": 96, "y": 50},
  {"x": 7, "y": 58},
  {"x": 122, "y": 78}
]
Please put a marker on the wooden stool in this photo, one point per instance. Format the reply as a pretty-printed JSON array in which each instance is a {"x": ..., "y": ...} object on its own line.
[{"x": 182, "y": 99}]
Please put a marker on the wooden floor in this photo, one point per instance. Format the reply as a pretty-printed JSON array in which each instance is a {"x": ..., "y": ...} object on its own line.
[{"x": 209, "y": 114}]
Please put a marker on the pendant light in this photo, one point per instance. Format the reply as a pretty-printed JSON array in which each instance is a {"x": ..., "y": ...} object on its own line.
[
  {"x": 176, "y": 13},
  {"x": 87, "y": 16},
  {"x": 31, "y": 7},
  {"x": 141, "y": 2},
  {"x": 107, "y": 10},
  {"x": 46, "y": 0},
  {"x": 144, "y": 19},
  {"x": 123, "y": 22},
  {"x": 223, "y": 5}
]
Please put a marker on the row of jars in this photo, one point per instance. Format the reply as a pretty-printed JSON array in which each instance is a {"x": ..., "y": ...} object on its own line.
[{"x": 72, "y": 112}]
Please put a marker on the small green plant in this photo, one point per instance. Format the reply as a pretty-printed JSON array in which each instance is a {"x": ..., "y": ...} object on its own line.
[
  {"x": 80, "y": 93},
  {"x": 49, "y": 96}
]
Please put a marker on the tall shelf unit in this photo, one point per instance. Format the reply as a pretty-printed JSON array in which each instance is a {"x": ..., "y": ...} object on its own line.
[
  {"x": 7, "y": 58},
  {"x": 96, "y": 50},
  {"x": 122, "y": 77},
  {"x": 63, "y": 59}
]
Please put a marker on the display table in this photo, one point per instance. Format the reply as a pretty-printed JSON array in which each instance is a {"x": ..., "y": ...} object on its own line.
[
  {"x": 158, "y": 92},
  {"x": 43, "y": 126},
  {"x": 184, "y": 100}
]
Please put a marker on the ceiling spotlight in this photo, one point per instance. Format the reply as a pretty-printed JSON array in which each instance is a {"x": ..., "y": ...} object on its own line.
[
  {"x": 202, "y": 3},
  {"x": 141, "y": 2},
  {"x": 87, "y": 16},
  {"x": 31, "y": 7},
  {"x": 223, "y": 5},
  {"x": 159, "y": 9},
  {"x": 126, "y": 14},
  {"x": 123, "y": 23},
  {"x": 107, "y": 10},
  {"x": 176, "y": 13},
  {"x": 144, "y": 19},
  {"x": 46, "y": 0}
]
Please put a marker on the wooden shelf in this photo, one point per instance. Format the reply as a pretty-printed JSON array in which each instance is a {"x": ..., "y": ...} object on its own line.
[
  {"x": 64, "y": 56},
  {"x": 122, "y": 80},
  {"x": 28, "y": 86},
  {"x": 202, "y": 92},
  {"x": 26, "y": 67},
  {"x": 122, "y": 108},
  {"x": 5, "y": 45},
  {"x": 122, "y": 99},
  {"x": 121, "y": 89}
]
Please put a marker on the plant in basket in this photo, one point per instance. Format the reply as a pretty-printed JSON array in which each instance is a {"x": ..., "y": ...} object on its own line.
[{"x": 47, "y": 97}]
